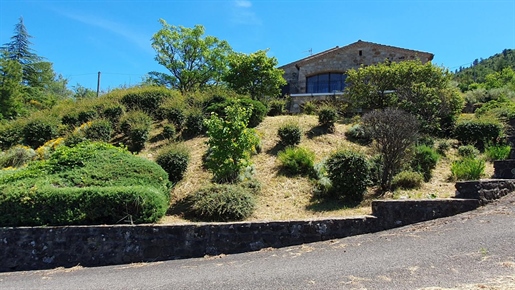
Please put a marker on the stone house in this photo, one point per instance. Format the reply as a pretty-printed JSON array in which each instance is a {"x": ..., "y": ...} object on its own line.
[{"x": 322, "y": 75}]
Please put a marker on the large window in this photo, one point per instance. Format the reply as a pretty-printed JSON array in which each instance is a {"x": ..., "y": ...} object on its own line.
[{"x": 325, "y": 83}]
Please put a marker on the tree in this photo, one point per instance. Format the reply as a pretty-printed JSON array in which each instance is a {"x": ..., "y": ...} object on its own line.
[
  {"x": 10, "y": 87},
  {"x": 394, "y": 132},
  {"x": 423, "y": 90},
  {"x": 255, "y": 74},
  {"x": 194, "y": 60}
]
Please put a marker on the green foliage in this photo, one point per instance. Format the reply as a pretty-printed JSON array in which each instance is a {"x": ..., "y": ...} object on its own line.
[
  {"x": 39, "y": 130},
  {"x": 169, "y": 131},
  {"x": 16, "y": 156},
  {"x": 309, "y": 108},
  {"x": 225, "y": 202},
  {"x": 11, "y": 134},
  {"x": 276, "y": 107},
  {"x": 194, "y": 60},
  {"x": 468, "y": 168},
  {"x": 86, "y": 116},
  {"x": 230, "y": 144},
  {"x": 254, "y": 74},
  {"x": 193, "y": 125},
  {"x": 497, "y": 152},
  {"x": 174, "y": 160},
  {"x": 147, "y": 99},
  {"x": 90, "y": 183},
  {"x": 327, "y": 116},
  {"x": 113, "y": 113},
  {"x": 257, "y": 109},
  {"x": 424, "y": 161},
  {"x": 10, "y": 87},
  {"x": 349, "y": 173},
  {"x": 358, "y": 134},
  {"x": 297, "y": 160},
  {"x": 136, "y": 125},
  {"x": 408, "y": 180},
  {"x": 443, "y": 146},
  {"x": 479, "y": 132},
  {"x": 421, "y": 89},
  {"x": 468, "y": 151},
  {"x": 99, "y": 130},
  {"x": 289, "y": 134}
]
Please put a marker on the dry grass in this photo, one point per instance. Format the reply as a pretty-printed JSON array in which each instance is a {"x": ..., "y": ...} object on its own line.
[{"x": 289, "y": 198}]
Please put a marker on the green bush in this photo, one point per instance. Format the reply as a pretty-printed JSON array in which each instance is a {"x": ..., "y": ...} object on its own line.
[
  {"x": 276, "y": 107},
  {"x": 443, "y": 147},
  {"x": 86, "y": 116},
  {"x": 113, "y": 113},
  {"x": 468, "y": 168},
  {"x": 349, "y": 174},
  {"x": 326, "y": 117},
  {"x": 169, "y": 131},
  {"x": 147, "y": 99},
  {"x": 16, "y": 156},
  {"x": 309, "y": 108},
  {"x": 297, "y": 160},
  {"x": 70, "y": 119},
  {"x": 194, "y": 125},
  {"x": 38, "y": 131},
  {"x": 497, "y": 152},
  {"x": 99, "y": 130},
  {"x": 468, "y": 151},
  {"x": 175, "y": 116},
  {"x": 358, "y": 134},
  {"x": 424, "y": 161},
  {"x": 90, "y": 183},
  {"x": 136, "y": 125},
  {"x": 11, "y": 134},
  {"x": 174, "y": 160},
  {"x": 226, "y": 202},
  {"x": 408, "y": 180},
  {"x": 289, "y": 134},
  {"x": 479, "y": 132},
  {"x": 257, "y": 109}
]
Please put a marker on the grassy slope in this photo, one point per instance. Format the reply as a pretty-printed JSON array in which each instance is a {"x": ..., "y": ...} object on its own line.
[{"x": 285, "y": 198}]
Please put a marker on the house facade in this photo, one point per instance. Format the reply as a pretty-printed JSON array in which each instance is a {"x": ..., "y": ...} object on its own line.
[{"x": 323, "y": 74}]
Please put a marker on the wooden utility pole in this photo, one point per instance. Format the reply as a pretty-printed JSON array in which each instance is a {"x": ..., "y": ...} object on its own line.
[{"x": 98, "y": 84}]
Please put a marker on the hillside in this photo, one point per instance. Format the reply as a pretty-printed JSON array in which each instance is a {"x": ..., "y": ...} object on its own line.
[
  {"x": 480, "y": 68},
  {"x": 286, "y": 197}
]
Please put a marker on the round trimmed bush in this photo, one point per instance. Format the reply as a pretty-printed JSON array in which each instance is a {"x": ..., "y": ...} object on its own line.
[
  {"x": 326, "y": 117},
  {"x": 169, "y": 131},
  {"x": 358, "y": 134},
  {"x": 297, "y": 160},
  {"x": 468, "y": 151},
  {"x": 424, "y": 161},
  {"x": 276, "y": 107},
  {"x": 349, "y": 173},
  {"x": 174, "y": 160},
  {"x": 289, "y": 134},
  {"x": 38, "y": 131},
  {"x": 222, "y": 202},
  {"x": 194, "y": 125},
  {"x": 99, "y": 130}
]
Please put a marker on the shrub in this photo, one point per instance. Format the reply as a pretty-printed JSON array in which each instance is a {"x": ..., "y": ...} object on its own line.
[
  {"x": 327, "y": 116},
  {"x": 309, "y": 108},
  {"x": 230, "y": 143},
  {"x": 289, "y": 134},
  {"x": 358, "y": 134},
  {"x": 222, "y": 203},
  {"x": 17, "y": 156},
  {"x": 70, "y": 119},
  {"x": 276, "y": 107},
  {"x": 169, "y": 131},
  {"x": 136, "y": 125},
  {"x": 86, "y": 116},
  {"x": 99, "y": 130},
  {"x": 408, "y": 180},
  {"x": 443, "y": 147},
  {"x": 194, "y": 125},
  {"x": 297, "y": 160},
  {"x": 113, "y": 113},
  {"x": 146, "y": 99},
  {"x": 468, "y": 151},
  {"x": 174, "y": 160},
  {"x": 257, "y": 109},
  {"x": 11, "y": 134},
  {"x": 424, "y": 161},
  {"x": 498, "y": 152},
  {"x": 426, "y": 140},
  {"x": 468, "y": 168},
  {"x": 90, "y": 183},
  {"x": 38, "y": 131},
  {"x": 175, "y": 116},
  {"x": 349, "y": 174},
  {"x": 479, "y": 132}
]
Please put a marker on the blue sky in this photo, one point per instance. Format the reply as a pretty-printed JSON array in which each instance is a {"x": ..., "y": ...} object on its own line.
[{"x": 84, "y": 37}]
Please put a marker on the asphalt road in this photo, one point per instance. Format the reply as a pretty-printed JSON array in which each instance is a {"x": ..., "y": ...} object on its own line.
[{"x": 474, "y": 250}]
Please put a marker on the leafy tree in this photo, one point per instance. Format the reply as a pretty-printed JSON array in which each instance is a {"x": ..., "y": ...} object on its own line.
[
  {"x": 230, "y": 144},
  {"x": 255, "y": 74},
  {"x": 394, "y": 132},
  {"x": 10, "y": 87},
  {"x": 423, "y": 90},
  {"x": 194, "y": 60}
]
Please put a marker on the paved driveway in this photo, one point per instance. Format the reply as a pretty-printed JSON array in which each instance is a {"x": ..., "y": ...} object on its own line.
[{"x": 474, "y": 250}]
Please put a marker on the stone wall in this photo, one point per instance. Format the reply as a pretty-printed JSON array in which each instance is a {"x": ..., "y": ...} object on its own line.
[
  {"x": 484, "y": 190},
  {"x": 28, "y": 248}
]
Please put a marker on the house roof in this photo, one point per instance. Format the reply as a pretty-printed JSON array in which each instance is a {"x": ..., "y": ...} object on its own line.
[{"x": 350, "y": 46}]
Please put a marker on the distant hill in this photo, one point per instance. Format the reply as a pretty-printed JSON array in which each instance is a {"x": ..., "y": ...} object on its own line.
[{"x": 480, "y": 68}]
